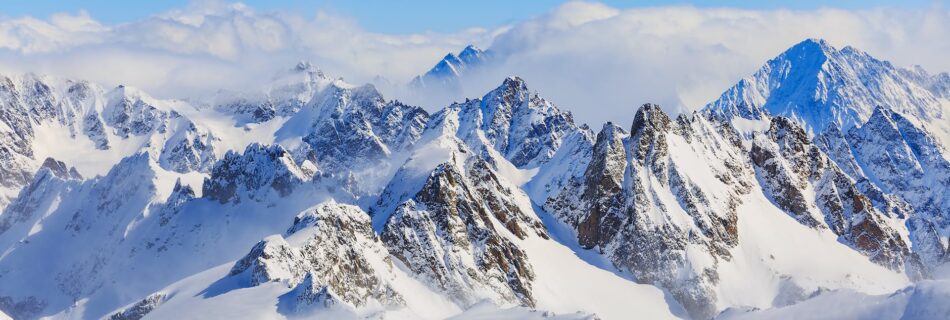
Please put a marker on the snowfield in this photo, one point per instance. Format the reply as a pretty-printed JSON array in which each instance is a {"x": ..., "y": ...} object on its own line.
[{"x": 818, "y": 187}]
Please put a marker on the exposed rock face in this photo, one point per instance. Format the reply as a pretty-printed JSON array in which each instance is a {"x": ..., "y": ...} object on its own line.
[
  {"x": 644, "y": 209},
  {"x": 899, "y": 168},
  {"x": 335, "y": 256},
  {"x": 905, "y": 160},
  {"x": 785, "y": 181},
  {"x": 875, "y": 123},
  {"x": 249, "y": 111},
  {"x": 789, "y": 167},
  {"x": 15, "y": 148},
  {"x": 308, "y": 295},
  {"x": 256, "y": 174},
  {"x": 18, "y": 117},
  {"x": 616, "y": 205},
  {"x": 525, "y": 128},
  {"x": 124, "y": 219},
  {"x": 190, "y": 149},
  {"x": 89, "y": 213},
  {"x": 51, "y": 176},
  {"x": 354, "y": 128},
  {"x": 272, "y": 259},
  {"x": 836, "y": 147},
  {"x": 127, "y": 113},
  {"x": 181, "y": 194},
  {"x": 453, "y": 232},
  {"x": 140, "y": 309},
  {"x": 604, "y": 179},
  {"x": 35, "y": 107},
  {"x": 60, "y": 170}
]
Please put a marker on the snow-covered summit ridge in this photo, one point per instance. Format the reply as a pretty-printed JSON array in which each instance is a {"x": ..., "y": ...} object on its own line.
[
  {"x": 92, "y": 128},
  {"x": 453, "y": 66},
  {"x": 884, "y": 127},
  {"x": 103, "y": 125},
  {"x": 499, "y": 200},
  {"x": 817, "y": 84},
  {"x": 517, "y": 122}
]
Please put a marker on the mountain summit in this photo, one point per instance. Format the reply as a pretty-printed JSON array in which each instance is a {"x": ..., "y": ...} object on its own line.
[
  {"x": 819, "y": 178},
  {"x": 447, "y": 72},
  {"x": 817, "y": 84}
]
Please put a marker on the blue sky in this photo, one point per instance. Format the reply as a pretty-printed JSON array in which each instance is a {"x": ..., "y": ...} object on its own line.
[{"x": 406, "y": 16}]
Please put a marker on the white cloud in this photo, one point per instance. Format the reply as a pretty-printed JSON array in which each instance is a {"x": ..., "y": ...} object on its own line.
[
  {"x": 603, "y": 66},
  {"x": 597, "y": 61},
  {"x": 30, "y": 35},
  {"x": 210, "y": 45}
]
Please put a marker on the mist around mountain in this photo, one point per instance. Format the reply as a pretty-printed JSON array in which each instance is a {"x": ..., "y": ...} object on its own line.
[{"x": 816, "y": 187}]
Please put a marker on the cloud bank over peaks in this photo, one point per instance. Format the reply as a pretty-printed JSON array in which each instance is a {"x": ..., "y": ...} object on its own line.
[
  {"x": 597, "y": 61},
  {"x": 210, "y": 45},
  {"x": 601, "y": 63}
]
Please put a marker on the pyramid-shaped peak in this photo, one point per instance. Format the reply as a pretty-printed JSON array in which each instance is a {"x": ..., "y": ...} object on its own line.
[
  {"x": 809, "y": 54},
  {"x": 512, "y": 86},
  {"x": 815, "y": 52},
  {"x": 473, "y": 56},
  {"x": 818, "y": 42},
  {"x": 649, "y": 116},
  {"x": 883, "y": 123},
  {"x": 812, "y": 46},
  {"x": 471, "y": 48},
  {"x": 651, "y": 110},
  {"x": 880, "y": 115},
  {"x": 450, "y": 65},
  {"x": 470, "y": 51},
  {"x": 513, "y": 92},
  {"x": 610, "y": 129},
  {"x": 817, "y": 84},
  {"x": 514, "y": 82},
  {"x": 449, "y": 57}
]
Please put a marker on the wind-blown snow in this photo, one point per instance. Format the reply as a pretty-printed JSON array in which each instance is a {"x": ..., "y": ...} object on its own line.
[{"x": 319, "y": 198}]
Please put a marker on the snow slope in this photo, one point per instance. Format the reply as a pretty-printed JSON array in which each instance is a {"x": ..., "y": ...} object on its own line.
[
  {"x": 779, "y": 261},
  {"x": 818, "y": 183},
  {"x": 923, "y": 300},
  {"x": 817, "y": 84},
  {"x": 570, "y": 286}
]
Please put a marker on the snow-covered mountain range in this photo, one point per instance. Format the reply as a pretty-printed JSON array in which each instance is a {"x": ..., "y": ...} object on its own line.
[{"x": 820, "y": 182}]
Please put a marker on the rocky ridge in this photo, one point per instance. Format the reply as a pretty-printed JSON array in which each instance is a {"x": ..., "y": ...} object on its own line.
[{"x": 466, "y": 197}]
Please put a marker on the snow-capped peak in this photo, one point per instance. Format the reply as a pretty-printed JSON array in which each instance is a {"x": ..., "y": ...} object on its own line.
[
  {"x": 811, "y": 47},
  {"x": 500, "y": 201},
  {"x": 447, "y": 72},
  {"x": 518, "y": 123},
  {"x": 816, "y": 84},
  {"x": 471, "y": 54}
]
